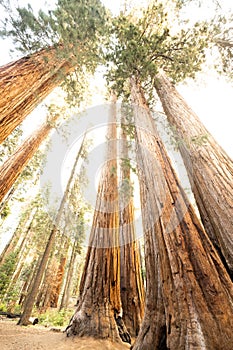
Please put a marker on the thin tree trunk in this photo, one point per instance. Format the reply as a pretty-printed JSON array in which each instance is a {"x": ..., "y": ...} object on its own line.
[
  {"x": 99, "y": 311},
  {"x": 25, "y": 83},
  {"x": 17, "y": 236},
  {"x": 58, "y": 283},
  {"x": 132, "y": 288},
  {"x": 68, "y": 281},
  {"x": 209, "y": 168},
  {"x": 5, "y": 203},
  {"x": 22, "y": 248},
  {"x": 24, "y": 320},
  {"x": 47, "y": 284},
  {"x": 59, "y": 273},
  {"x": 31, "y": 297},
  {"x": 26, "y": 285},
  {"x": 30, "y": 284},
  {"x": 77, "y": 277},
  {"x": 197, "y": 292}
]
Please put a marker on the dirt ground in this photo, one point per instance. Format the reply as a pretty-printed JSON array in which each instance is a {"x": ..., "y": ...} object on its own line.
[{"x": 13, "y": 337}]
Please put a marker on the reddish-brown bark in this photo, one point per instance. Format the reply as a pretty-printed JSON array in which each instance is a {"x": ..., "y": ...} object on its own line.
[
  {"x": 197, "y": 292},
  {"x": 14, "y": 165},
  {"x": 99, "y": 310},
  {"x": 132, "y": 288},
  {"x": 25, "y": 83},
  {"x": 209, "y": 168}
]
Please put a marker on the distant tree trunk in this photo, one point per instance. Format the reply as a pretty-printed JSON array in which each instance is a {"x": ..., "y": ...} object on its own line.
[
  {"x": 47, "y": 284},
  {"x": 29, "y": 285},
  {"x": 43, "y": 295},
  {"x": 77, "y": 276},
  {"x": 17, "y": 236},
  {"x": 197, "y": 292},
  {"x": 31, "y": 297},
  {"x": 99, "y": 311},
  {"x": 209, "y": 168},
  {"x": 132, "y": 288},
  {"x": 22, "y": 247},
  {"x": 14, "y": 165},
  {"x": 58, "y": 283},
  {"x": 26, "y": 285},
  {"x": 68, "y": 280},
  {"x": 25, "y": 83},
  {"x": 53, "y": 283},
  {"x": 23, "y": 291},
  {"x": 4, "y": 204}
]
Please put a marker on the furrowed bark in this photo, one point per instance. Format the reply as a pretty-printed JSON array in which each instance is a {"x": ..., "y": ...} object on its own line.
[
  {"x": 209, "y": 168},
  {"x": 99, "y": 311},
  {"x": 197, "y": 292},
  {"x": 132, "y": 288},
  {"x": 14, "y": 165},
  {"x": 25, "y": 83}
]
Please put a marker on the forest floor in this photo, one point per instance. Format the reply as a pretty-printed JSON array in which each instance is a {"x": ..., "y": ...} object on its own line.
[{"x": 13, "y": 337}]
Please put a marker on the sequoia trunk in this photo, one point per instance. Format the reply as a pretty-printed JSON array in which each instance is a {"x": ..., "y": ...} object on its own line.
[
  {"x": 25, "y": 83},
  {"x": 209, "y": 168},
  {"x": 13, "y": 166},
  {"x": 196, "y": 290},
  {"x": 132, "y": 289},
  {"x": 99, "y": 311}
]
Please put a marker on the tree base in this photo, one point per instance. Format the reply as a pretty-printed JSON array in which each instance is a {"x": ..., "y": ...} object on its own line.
[{"x": 98, "y": 324}]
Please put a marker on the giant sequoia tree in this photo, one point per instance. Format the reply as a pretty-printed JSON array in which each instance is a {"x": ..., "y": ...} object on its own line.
[
  {"x": 99, "y": 310},
  {"x": 132, "y": 288},
  {"x": 196, "y": 289},
  {"x": 144, "y": 46},
  {"x": 209, "y": 168},
  {"x": 57, "y": 43}
]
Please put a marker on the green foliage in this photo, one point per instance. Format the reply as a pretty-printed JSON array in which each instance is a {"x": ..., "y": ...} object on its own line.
[
  {"x": 127, "y": 120},
  {"x": 141, "y": 46},
  {"x": 73, "y": 25},
  {"x": 3, "y": 307},
  {"x": 73, "y": 29},
  {"x": 126, "y": 190},
  {"x": 113, "y": 171},
  {"x": 6, "y": 272},
  {"x": 55, "y": 318},
  {"x": 177, "y": 140},
  {"x": 11, "y": 298},
  {"x": 5, "y": 211},
  {"x": 8, "y": 146},
  {"x": 126, "y": 165},
  {"x": 223, "y": 41}
]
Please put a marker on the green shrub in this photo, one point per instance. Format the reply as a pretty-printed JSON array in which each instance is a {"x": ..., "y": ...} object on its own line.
[
  {"x": 55, "y": 318},
  {"x": 6, "y": 271}
]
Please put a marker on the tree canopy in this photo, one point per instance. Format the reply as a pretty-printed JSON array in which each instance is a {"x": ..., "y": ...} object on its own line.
[{"x": 74, "y": 31}]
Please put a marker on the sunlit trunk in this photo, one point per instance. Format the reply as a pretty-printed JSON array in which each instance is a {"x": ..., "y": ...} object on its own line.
[
  {"x": 209, "y": 168},
  {"x": 132, "y": 288},
  {"x": 25, "y": 83},
  {"x": 196, "y": 290},
  {"x": 14, "y": 165},
  {"x": 99, "y": 311}
]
